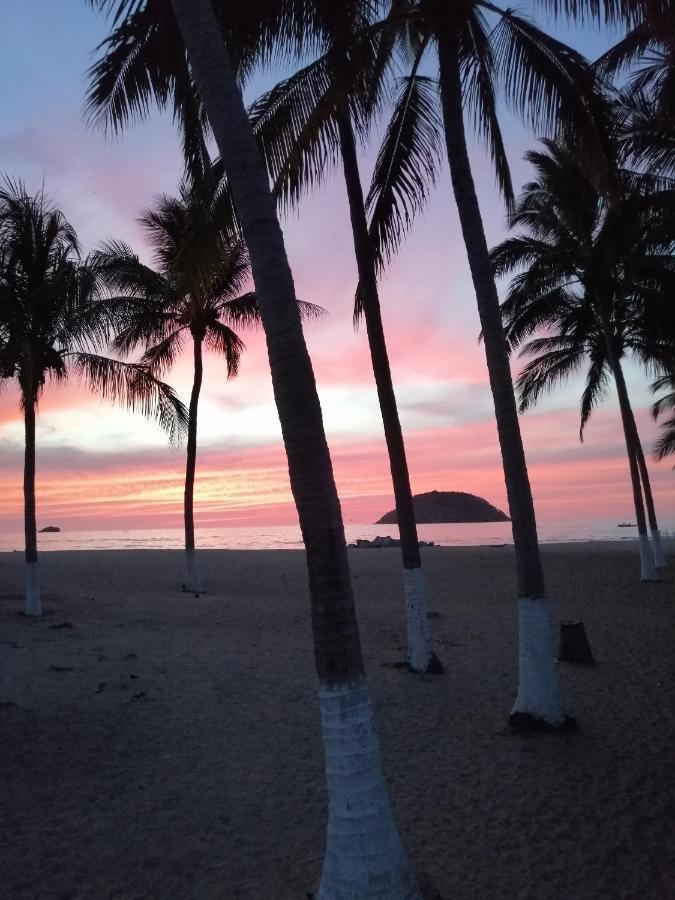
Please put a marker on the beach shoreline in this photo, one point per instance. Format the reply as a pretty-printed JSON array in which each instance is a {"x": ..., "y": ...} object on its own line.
[{"x": 156, "y": 744}]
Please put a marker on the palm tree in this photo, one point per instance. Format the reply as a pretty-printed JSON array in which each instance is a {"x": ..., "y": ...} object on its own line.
[
  {"x": 483, "y": 47},
  {"x": 304, "y": 123},
  {"x": 666, "y": 443},
  {"x": 596, "y": 278},
  {"x": 51, "y": 324},
  {"x": 196, "y": 292},
  {"x": 364, "y": 857}
]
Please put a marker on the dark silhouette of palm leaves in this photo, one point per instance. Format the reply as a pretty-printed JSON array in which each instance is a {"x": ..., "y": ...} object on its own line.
[
  {"x": 665, "y": 445},
  {"x": 55, "y": 320},
  {"x": 575, "y": 245},
  {"x": 199, "y": 285},
  {"x": 543, "y": 80}
]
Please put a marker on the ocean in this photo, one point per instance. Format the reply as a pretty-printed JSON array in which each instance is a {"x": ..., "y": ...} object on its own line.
[{"x": 287, "y": 537}]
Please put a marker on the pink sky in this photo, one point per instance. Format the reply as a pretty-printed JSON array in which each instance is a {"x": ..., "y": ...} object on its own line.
[{"x": 99, "y": 467}]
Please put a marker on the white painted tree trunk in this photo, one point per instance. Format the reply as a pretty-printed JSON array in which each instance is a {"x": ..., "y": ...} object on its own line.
[
  {"x": 191, "y": 572},
  {"x": 657, "y": 548},
  {"x": 648, "y": 570},
  {"x": 33, "y": 604},
  {"x": 419, "y": 632},
  {"x": 364, "y": 857},
  {"x": 538, "y": 689}
]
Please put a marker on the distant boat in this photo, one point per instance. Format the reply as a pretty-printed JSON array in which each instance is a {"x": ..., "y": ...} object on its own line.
[{"x": 626, "y": 525}]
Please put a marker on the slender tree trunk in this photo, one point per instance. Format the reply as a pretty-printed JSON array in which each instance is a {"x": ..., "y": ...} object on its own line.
[
  {"x": 33, "y": 604},
  {"x": 657, "y": 546},
  {"x": 648, "y": 571},
  {"x": 364, "y": 857},
  {"x": 421, "y": 657},
  {"x": 538, "y": 699},
  {"x": 191, "y": 569}
]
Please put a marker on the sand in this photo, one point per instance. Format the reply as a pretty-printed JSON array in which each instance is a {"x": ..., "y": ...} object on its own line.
[{"x": 156, "y": 745}]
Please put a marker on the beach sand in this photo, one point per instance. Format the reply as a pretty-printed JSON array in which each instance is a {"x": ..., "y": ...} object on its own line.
[{"x": 157, "y": 745}]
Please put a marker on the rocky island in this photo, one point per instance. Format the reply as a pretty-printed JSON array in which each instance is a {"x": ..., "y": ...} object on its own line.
[
  {"x": 449, "y": 506},
  {"x": 49, "y": 529}
]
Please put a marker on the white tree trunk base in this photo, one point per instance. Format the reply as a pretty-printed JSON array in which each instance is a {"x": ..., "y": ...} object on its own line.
[
  {"x": 647, "y": 568},
  {"x": 364, "y": 858},
  {"x": 657, "y": 549},
  {"x": 192, "y": 584},
  {"x": 33, "y": 603},
  {"x": 421, "y": 657},
  {"x": 538, "y": 703}
]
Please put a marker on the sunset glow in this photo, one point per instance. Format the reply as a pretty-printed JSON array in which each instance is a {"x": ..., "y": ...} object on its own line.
[{"x": 100, "y": 467}]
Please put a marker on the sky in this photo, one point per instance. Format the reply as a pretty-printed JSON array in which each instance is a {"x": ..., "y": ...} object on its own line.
[{"x": 101, "y": 467}]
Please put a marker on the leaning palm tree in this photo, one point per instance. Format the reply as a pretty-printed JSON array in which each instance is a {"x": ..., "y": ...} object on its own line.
[
  {"x": 304, "y": 125},
  {"x": 52, "y": 320},
  {"x": 364, "y": 857},
  {"x": 596, "y": 277},
  {"x": 196, "y": 292}
]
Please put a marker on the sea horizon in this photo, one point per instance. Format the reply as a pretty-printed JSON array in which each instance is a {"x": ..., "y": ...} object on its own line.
[{"x": 288, "y": 537}]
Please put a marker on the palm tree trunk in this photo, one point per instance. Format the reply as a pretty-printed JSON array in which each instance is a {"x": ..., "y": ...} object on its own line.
[
  {"x": 657, "y": 546},
  {"x": 33, "y": 604},
  {"x": 538, "y": 698},
  {"x": 421, "y": 657},
  {"x": 191, "y": 569},
  {"x": 364, "y": 857},
  {"x": 648, "y": 572}
]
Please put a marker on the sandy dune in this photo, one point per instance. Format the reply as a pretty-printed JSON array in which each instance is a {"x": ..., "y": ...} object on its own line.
[{"x": 155, "y": 745}]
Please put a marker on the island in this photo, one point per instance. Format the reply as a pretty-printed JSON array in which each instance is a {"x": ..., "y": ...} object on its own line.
[
  {"x": 449, "y": 506},
  {"x": 49, "y": 529}
]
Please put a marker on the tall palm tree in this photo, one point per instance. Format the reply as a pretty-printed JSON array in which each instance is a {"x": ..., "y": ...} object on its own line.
[
  {"x": 364, "y": 857},
  {"x": 196, "y": 292},
  {"x": 52, "y": 321},
  {"x": 303, "y": 124},
  {"x": 483, "y": 47},
  {"x": 666, "y": 443},
  {"x": 596, "y": 277}
]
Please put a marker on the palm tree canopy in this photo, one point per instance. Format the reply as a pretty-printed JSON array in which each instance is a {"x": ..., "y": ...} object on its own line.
[
  {"x": 647, "y": 55},
  {"x": 198, "y": 284},
  {"x": 578, "y": 255},
  {"x": 540, "y": 78},
  {"x": 142, "y": 62},
  {"x": 645, "y": 60},
  {"x": 54, "y": 318},
  {"x": 664, "y": 405}
]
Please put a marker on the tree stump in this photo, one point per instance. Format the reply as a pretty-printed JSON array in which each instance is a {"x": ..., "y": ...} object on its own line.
[{"x": 574, "y": 646}]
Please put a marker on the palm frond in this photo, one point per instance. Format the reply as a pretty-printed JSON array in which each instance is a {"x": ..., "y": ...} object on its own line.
[
  {"x": 296, "y": 130},
  {"x": 478, "y": 88},
  {"x": 222, "y": 340},
  {"x": 407, "y": 165},
  {"x": 160, "y": 357},
  {"x": 545, "y": 81},
  {"x": 554, "y": 360},
  {"x": 134, "y": 387},
  {"x": 595, "y": 390},
  {"x": 608, "y": 11}
]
